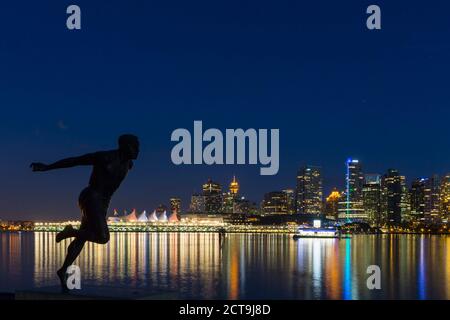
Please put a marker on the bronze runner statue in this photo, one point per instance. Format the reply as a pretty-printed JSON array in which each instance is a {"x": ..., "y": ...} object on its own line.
[{"x": 109, "y": 170}]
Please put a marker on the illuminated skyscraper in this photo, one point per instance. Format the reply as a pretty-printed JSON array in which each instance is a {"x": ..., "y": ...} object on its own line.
[
  {"x": 309, "y": 195},
  {"x": 197, "y": 204},
  {"x": 228, "y": 201},
  {"x": 290, "y": 200},
  {"x": 417, "y": 200},
  {"x": 425, "y": 200},
  {"x": 244, "y": 206},
  {"x": 351, "y": 209},
  {"x": 275, "y": 203},
  {"x": 445, "y": 198},
  {"x": 212, "y": 193},
  {"x": 231, "y": 197},
  {"x": 432, "y": 200},
  {"x": 354, "y": 180},
  {"x": 395, "y": 205},
  {"x": 371, "y": 194},
  {"x": 234, "y": 186}
]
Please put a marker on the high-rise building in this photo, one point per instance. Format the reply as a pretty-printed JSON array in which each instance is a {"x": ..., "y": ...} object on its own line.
[
  {"x": 332, "y": 205},
  {"x": 197, "y": 204},
  {"x": 290, "y": 200},
  {"x": 351, "y": 211},
  {"x": 445, "y": 197},
  {"x": 354, "y": 180},
  {"x": 212, "y": 192},
  {"x": 230, "y": 198},
  {"x": 417, "y": 200},
  {"x": 371, "y": 195},
  {"x": 234, "y": 186},
  {"x": 275, "y": 203},
  {"x": 244, "y": 206},
  {"x": 228, "y": 201},
  {"x": 432, "y": 200},
  {"x": 175, "y": 205},
  {"x": 309, "y": 195},
  {"x": 425, "y": 200},
  {"x": 395, "y": 205},
  {"x": 351, "y": 208}
]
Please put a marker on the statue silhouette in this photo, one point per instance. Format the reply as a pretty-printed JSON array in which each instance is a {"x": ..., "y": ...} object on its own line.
[{"x": 109, "y": 170}]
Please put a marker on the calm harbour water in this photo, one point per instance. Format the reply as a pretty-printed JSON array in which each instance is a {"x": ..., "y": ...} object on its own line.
[{"x": 245, "y": 266}]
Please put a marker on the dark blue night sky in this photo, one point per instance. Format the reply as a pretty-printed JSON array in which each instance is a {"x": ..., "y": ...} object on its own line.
[{"x": 311, "y": 69}]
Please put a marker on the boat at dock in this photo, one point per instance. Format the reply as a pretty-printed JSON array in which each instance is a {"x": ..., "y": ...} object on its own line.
[{"x": 321, "y": 233}]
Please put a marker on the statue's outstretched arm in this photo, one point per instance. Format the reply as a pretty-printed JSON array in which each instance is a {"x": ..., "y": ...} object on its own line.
[{"x": 86, "y": 160}]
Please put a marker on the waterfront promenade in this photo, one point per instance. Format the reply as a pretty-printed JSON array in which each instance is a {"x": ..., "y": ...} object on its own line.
[{"x": 176, "y": 227}]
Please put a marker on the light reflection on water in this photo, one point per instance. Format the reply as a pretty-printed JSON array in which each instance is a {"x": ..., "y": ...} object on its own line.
[{"x": 244, "y": 266}]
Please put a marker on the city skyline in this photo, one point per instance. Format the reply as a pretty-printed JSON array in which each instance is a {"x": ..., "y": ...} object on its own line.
[
  {"x": 366, "y": 193},
  {"x": 326, "y": 190},
  {"x": 367, "y": 197}
]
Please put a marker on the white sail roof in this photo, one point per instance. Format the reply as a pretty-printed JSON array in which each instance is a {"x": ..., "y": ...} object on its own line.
[
  {"x": 143, "y": 217},
  {"x": 163, "y": 217},
  {"x": 153, "y": 217}
]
